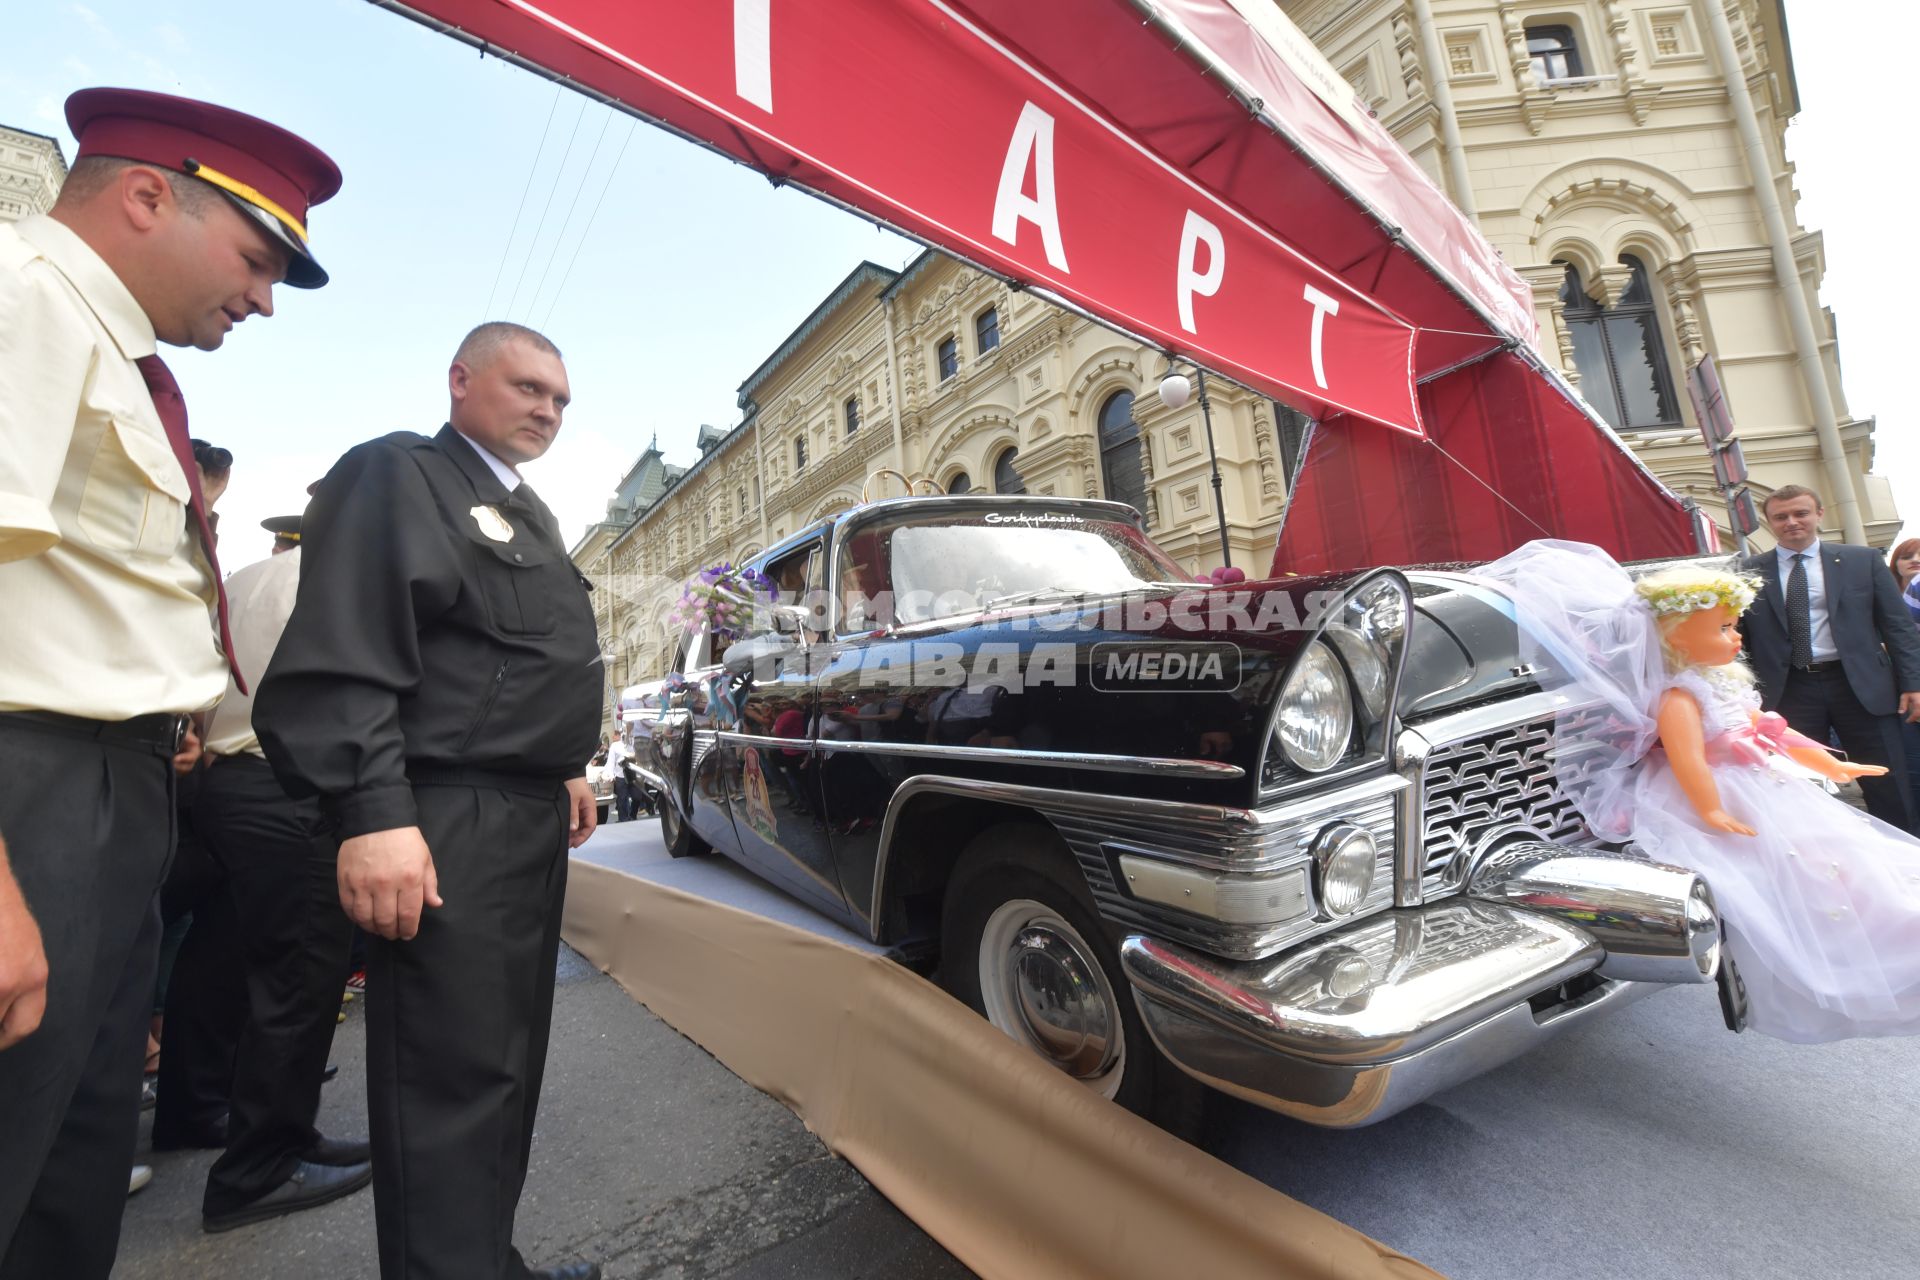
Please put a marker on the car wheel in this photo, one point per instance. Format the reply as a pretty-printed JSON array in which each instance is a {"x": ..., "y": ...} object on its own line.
[
  {"x": 1024, "y": 946},
  {"x": 679, "y": 838}
]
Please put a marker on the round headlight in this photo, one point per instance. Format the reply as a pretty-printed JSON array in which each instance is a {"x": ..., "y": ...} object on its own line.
[
  {"x": 1315, "y": 722},
  {"x": 1344, "y": 862},
  {"x": 1366, "y": 666}
]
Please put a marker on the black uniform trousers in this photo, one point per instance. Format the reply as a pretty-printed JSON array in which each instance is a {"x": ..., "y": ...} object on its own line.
[
  {"x": 1816, "y": 702},
  {"x": 279, "y": 891},
  {"x": 206, "y": 998},
  {"x": 89, "y": 829},
  {"x": 457, "y": 1021}
]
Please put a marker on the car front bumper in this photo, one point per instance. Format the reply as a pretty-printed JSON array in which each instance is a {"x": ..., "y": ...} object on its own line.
[{"x": 1366, "y": 1022}]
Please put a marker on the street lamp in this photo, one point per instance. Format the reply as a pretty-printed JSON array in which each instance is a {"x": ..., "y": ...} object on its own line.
[{"x": 1175, "y": 391}]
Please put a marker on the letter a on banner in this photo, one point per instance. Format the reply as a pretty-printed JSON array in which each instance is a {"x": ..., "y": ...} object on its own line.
[
  {"x": 1198, "y": 231},
  {"x": 1032, "y": 138}
]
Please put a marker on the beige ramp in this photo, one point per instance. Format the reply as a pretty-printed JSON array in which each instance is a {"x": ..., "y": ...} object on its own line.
[{"x": 1019, "y": 1173}]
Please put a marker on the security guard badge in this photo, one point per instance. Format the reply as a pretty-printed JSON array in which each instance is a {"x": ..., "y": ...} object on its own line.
[{"x": 492, "y": 523}]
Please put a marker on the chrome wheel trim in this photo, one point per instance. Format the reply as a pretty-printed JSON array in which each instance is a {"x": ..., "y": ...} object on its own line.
[
  {"x": 669, "y": 820},
  {"x": 1042, "y": 985}
]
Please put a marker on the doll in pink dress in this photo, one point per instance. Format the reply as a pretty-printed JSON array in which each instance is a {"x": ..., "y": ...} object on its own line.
[{"x": 1821, "y": 902}]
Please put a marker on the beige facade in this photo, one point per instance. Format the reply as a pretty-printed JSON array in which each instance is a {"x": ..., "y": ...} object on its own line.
[
  {"x": 31, "y": 171},
  {"x": 1636, "y": 157}
]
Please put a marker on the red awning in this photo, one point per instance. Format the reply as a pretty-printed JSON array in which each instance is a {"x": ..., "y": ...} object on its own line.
[{"x": 1187, "y": 171}]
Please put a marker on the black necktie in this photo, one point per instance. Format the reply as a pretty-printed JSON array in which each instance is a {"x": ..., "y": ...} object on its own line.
[{"x": 1799, "y": 616}]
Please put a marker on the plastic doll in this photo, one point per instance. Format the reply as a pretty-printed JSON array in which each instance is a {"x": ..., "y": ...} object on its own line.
[{"x": 1821, "y": 903}]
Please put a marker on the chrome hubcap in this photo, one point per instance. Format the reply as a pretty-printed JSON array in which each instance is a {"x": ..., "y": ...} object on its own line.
[{"x": 1041, "y": 985}]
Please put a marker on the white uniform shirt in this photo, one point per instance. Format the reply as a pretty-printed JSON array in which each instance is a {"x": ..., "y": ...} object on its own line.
[
  {"x": 1824, "y": 649},
  {"x": 107, "y": 596},
  {"x": 505, "y": 474},
  {"x": 259, "y": 601}
]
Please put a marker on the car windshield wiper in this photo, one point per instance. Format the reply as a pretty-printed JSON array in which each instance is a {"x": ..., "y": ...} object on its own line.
[{"x": 1027, "y": 597}]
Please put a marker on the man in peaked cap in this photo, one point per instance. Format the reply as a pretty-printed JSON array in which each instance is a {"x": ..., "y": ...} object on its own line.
[
  {"x": 174, "y": 224},
  {"x": 285, "y": 531}
]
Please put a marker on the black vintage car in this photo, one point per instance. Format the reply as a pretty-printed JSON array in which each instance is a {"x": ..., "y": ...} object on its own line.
[{"x": 1298, "y": 839}]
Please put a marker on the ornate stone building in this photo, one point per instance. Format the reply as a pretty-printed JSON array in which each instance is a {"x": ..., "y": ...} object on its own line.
[
  {"x": 1602, "y": 147},
  {"x": 1598, "y": 144},
  {"x": 31, "y": 171}
]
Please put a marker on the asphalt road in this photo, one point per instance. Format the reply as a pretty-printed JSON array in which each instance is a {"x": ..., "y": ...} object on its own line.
[
  {"x": 1650, "y": 1143},
  {"x": 650, "y": 1157}
]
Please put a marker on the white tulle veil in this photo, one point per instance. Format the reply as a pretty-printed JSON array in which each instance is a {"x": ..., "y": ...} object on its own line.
[{"x": 1593, "y": 640}]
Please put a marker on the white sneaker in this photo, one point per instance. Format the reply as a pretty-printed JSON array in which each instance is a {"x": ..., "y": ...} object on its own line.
[{"x": 142, "y": 1174}]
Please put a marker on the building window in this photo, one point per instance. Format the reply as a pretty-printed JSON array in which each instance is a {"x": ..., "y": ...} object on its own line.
[
  {"x": 743, "y": 502},
  {"x": 1620, "y": 354},
  {"x": 1121, "y": 477},
  {"x": 1006, "y": 479},
  {"x": 1666, "y": 39},
  {"x": 1461, "y": 59},
  {"x": 949, "y": 353},
  {"x": 799, "y": 453},
  {"x": 986, "y": 330},
  {"x": 853, "y": 414},
  {"x": 960, "y": 483},
  {"x": 1555, "y": 54}
]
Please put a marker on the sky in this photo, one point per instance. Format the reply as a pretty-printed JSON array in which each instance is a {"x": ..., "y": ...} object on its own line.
[{"x": 666, "y": 274}]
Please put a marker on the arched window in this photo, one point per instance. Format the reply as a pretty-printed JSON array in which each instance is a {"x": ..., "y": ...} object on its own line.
[
  {"x": 960, "y": 483},
  {"x": 1619, "y": 353},
  {"x": 853, "y": 414},
  {"x": 1005, "y": 478},
  {"x": 1555, "y": 54},
  {"x": 799, "y": 453},
  {"x": 986, "y": 331},
  {"x": 1120, "y": 475}
]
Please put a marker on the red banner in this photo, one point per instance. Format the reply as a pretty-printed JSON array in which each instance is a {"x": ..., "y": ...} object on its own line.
[{"x": 909, "y": 111}]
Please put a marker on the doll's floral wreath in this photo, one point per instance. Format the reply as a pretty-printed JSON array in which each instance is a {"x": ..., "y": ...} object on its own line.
[{"x": 1681, "y": 591}]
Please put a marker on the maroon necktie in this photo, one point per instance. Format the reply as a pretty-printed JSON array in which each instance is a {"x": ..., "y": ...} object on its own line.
[{"x": 173, "y": 416}]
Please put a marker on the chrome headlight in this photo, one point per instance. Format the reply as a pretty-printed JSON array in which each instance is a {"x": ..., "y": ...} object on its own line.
[
  {"x": 1345, "y": 860},
  {"x": 1315, "y": 720}
]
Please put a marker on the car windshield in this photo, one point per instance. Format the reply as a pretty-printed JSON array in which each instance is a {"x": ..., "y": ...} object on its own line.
[{"x": 921, "y": 568}]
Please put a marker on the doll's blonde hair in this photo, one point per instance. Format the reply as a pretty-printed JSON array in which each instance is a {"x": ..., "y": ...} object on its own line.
[{"x": 1673, "y": 594}]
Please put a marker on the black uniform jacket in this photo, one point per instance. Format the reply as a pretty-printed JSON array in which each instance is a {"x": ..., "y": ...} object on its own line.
[
  {"x": 425, "y": 638},
  {"x": 1879, "y": 647}
]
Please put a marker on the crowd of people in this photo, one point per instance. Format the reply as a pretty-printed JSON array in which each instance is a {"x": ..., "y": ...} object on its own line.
[{"x": 382, "y": 727}]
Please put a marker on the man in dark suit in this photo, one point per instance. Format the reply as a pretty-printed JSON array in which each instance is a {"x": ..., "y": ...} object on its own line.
[{"x": 1833, "y": 646}]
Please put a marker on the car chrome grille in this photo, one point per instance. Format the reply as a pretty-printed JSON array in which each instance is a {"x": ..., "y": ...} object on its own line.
[{"x": 1486, "y": 785}]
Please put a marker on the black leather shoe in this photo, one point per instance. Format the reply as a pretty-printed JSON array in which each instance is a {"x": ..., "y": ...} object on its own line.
[
  {"x": 211, "y": 1137},
  {"x": 570, "y": 1271},
  {"x": 310, "y": 1185},
  {"x": 333, "y": 1069},
  {"x": 339, "y": 1151}
]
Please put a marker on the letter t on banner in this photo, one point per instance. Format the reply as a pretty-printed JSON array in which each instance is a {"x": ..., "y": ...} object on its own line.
[
  {"x": 1323, "y": 306},
  {"x": 1192, "y": 235},
  {"x": 753, "y": 51},
  {"x": 1032, "y": 138}
]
